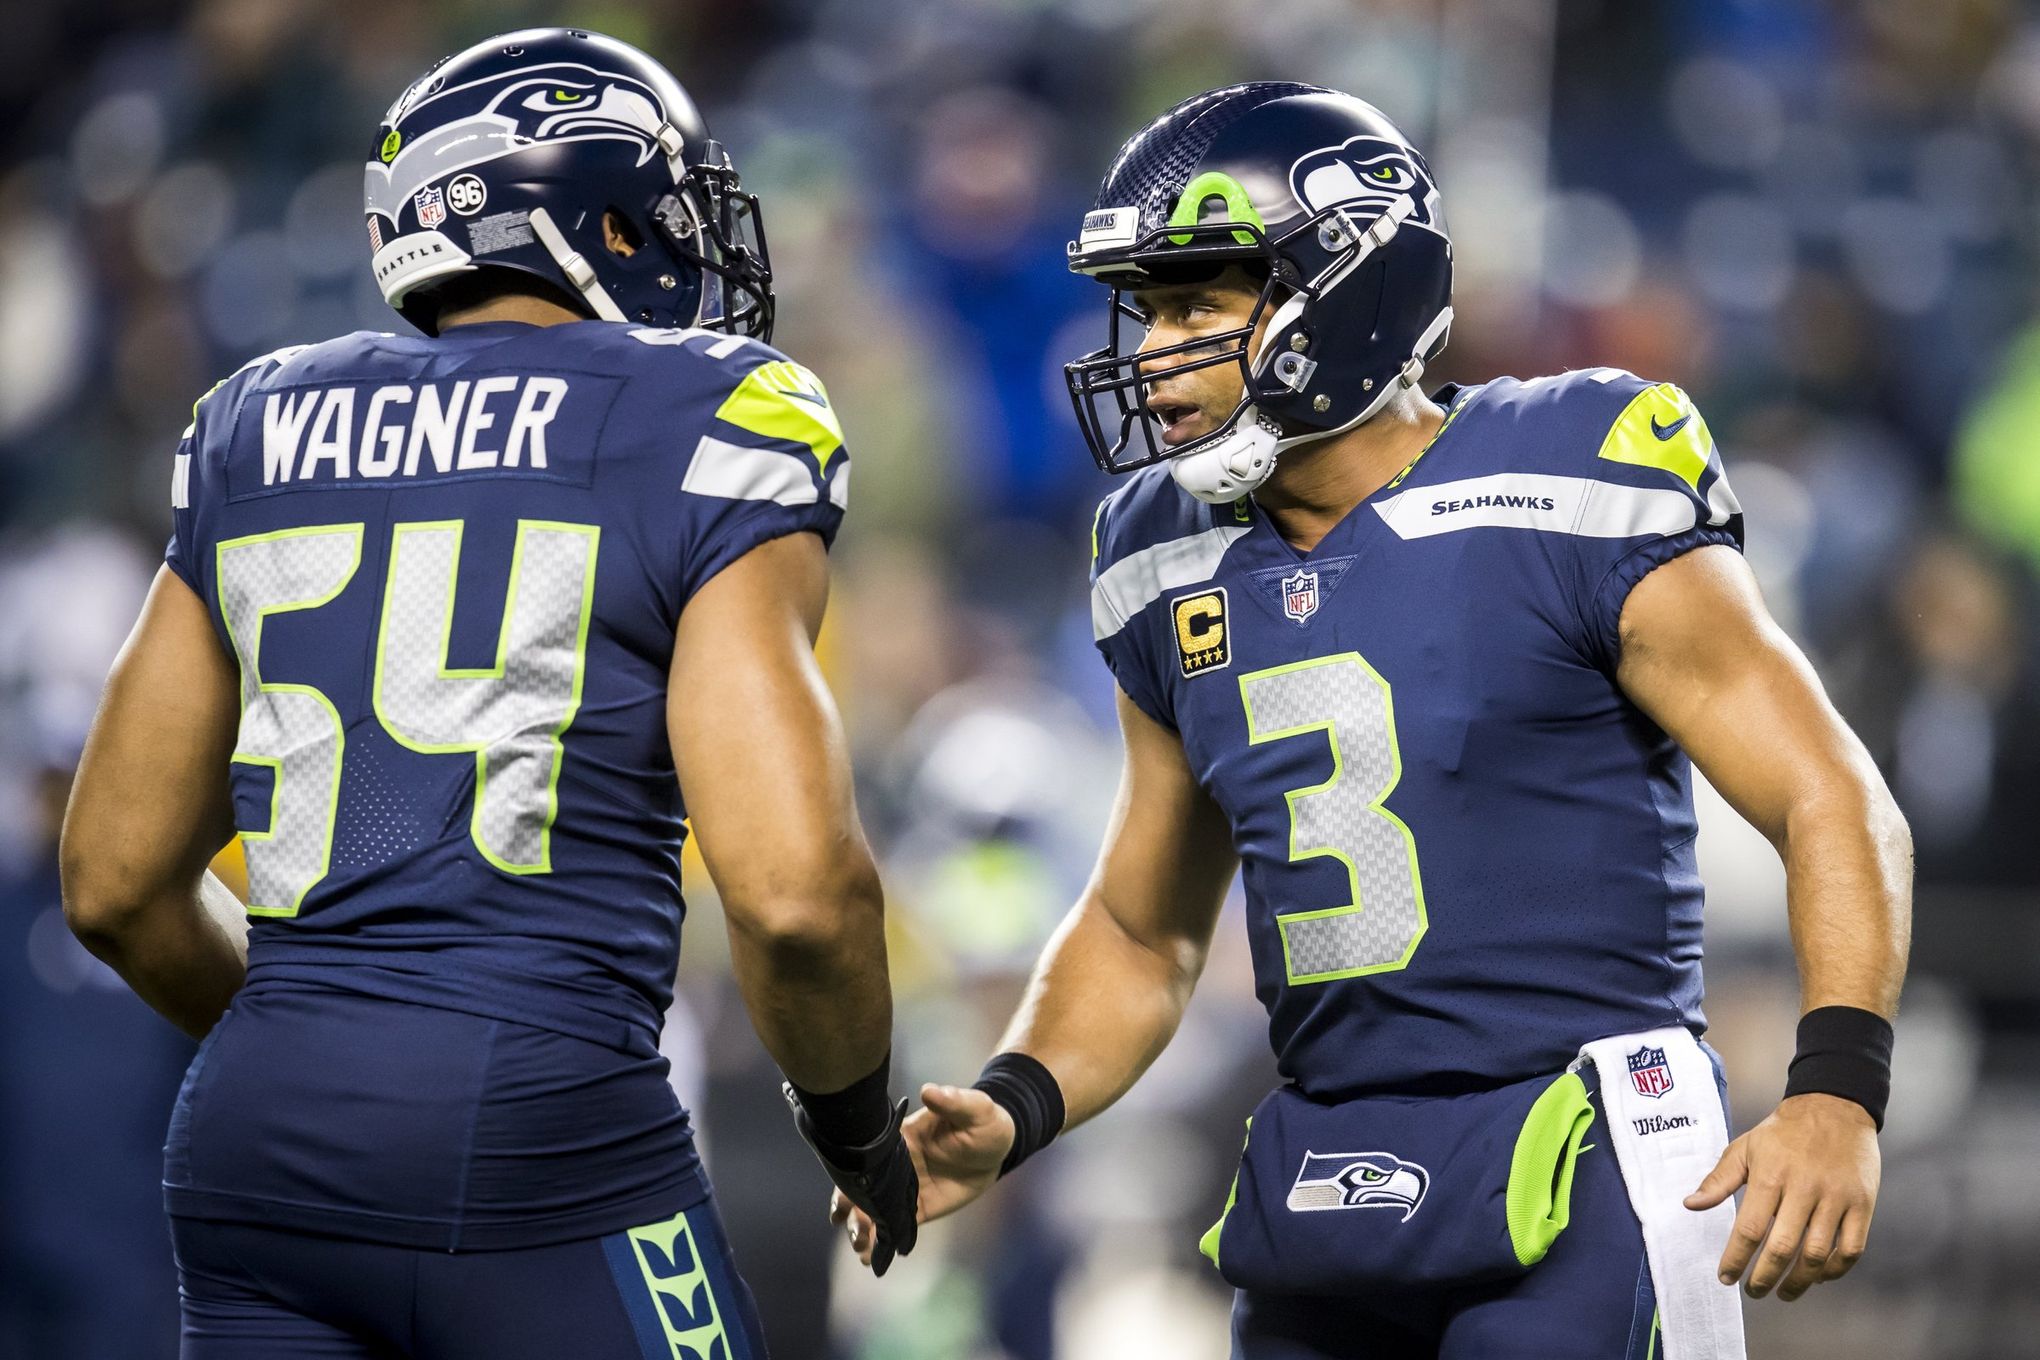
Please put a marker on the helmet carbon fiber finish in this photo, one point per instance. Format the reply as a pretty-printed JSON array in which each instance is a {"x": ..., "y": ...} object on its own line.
[
  {"x": 1323, "y": 195},
  {"x": 508, "y": 155}
]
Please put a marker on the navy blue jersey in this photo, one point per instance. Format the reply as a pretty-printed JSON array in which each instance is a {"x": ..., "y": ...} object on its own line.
[
  {"x": 1466, "y": 852},
  {"x": 450, "y": 571}
]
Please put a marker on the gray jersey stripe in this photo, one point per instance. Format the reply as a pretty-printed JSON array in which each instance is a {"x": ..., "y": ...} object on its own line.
[{"x": 1138, "y": 580}]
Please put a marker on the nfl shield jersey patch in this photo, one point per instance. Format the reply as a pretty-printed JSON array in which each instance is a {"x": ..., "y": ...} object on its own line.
[{"x": 1300, "y": 595}]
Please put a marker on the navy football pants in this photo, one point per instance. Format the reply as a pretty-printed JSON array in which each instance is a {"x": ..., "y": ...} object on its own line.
[
  {"x": 667, "y": 1291},
  {"x": 1590, "y": 1298}
]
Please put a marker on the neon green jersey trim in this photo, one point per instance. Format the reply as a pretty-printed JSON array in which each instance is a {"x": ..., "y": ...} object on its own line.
[
  {"x": 1215, "y": 184},
  {"x": 1208, "y": 1244},
  {"x": 782, "y": 400},
  {"x": 676, "y": 1295},
  {"x": 1661, "y": 428},
  {"x": 1539, "y": 1199}
]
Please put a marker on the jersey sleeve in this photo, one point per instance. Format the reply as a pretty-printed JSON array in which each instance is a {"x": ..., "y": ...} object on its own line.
[
  {"x": 196, "y": 475},
  {"x": 180, "y": 553},
  {"x": 1116, "y": 607},
  {"x": 190, "y": 479},
  {"x": 771, "y": 462},
  {"x": 1659, "y": 490}
]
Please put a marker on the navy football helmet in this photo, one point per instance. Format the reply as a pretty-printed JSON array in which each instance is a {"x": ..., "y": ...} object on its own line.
[
  {"x": 1323, "y": 195},
  {"x": 508, "y": 155}
]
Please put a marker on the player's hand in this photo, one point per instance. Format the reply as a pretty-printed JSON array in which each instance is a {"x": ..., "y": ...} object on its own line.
[
  {"x": 879, "y": 1179},
  {"x": 1812, "y": 1169},
  {"x": 958, "y": 1141}
]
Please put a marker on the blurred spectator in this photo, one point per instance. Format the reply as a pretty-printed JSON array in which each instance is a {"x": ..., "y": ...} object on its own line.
[{"x": 87, "y": 1072}]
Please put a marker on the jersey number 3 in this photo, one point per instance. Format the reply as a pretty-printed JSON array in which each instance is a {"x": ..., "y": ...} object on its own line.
[
  {"x": 509, "y": 717},
  {"x": 1343, "y": 818}
]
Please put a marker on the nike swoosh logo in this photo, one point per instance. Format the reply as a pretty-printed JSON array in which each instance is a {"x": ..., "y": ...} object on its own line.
[
  {"x": 821, "y": 401},
  {"x": 1667, "y": 431}
]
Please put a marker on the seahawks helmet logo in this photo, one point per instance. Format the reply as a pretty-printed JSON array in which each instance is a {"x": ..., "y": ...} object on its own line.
[
  {"x": 560, "y": 107},
  {"x": 563, "y": 102},
  {"x": 1358, "y": 1180},
  {"x": 1367, "y": 175}
]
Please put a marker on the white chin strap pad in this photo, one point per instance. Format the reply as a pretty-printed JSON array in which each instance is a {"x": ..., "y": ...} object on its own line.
[
  {"x": 1230, "y": 467},
  {"x": 578, "y": 271}
]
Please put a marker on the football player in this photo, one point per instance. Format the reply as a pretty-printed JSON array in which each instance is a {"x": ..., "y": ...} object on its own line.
[
  {"x": 447, "y": 625},
  {"x": 1430, "y": 669}
]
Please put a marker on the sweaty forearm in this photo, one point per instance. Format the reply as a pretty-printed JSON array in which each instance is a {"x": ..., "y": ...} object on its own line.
[
  {"x": 819, "y": 995},
  {"x": 1101, "y": 1007},
  {"x": 1848, "y": 867},
  {"x": 185, "y": 955}
]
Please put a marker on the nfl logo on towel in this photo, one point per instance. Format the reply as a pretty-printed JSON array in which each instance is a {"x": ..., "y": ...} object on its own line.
[
  {"x": 431, "y": 205},
  {"x": 1649, "y": 1072},
  {"x": 1299, "y": 595}
]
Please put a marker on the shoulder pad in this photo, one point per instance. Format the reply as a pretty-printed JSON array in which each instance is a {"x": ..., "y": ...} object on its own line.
[
  {"x": 257, "y": 367},
  {"x": 768, "y": 399},
  {"x": 1151, "y": 537},
  {"x": 1150, "y": 509}
]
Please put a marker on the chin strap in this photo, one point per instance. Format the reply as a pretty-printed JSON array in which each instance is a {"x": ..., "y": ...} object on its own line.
[
  {"x": 1228, "y": 468},
  {"x": 578, "y": 271}
]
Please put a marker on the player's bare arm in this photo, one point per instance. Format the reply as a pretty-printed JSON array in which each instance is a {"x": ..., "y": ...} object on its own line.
[
  {"x": 1111, "y": 986},
  {"x": 149, "y": 810},
  {"x": 768, "y": 789},
  {"x": 767, "y": 774},
  {"x": 1703, "y": 658}
]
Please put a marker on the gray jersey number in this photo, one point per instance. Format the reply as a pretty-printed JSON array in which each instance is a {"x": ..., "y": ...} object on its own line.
[
  {"x": 1343, "y": 818},
  {"x": 292, "y": 729},
  {"x": 509, "y": 717}
]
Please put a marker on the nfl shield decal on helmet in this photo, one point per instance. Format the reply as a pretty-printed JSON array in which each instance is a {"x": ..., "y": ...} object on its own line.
[
  {"x": 1300, "y": 595},
  {"x": 431, "y": 205},
  {"x": 1358, "y": 1180},
  {"x": 1649, "y": 1073}
]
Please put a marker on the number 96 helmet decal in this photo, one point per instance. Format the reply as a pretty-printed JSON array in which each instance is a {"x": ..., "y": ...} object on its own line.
[
  {"x": 1313, "y": 189},
  {"x": 509, "y": 154}
]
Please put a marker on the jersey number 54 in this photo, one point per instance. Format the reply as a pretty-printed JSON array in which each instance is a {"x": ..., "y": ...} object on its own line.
[{"x": 508, "y": 717}]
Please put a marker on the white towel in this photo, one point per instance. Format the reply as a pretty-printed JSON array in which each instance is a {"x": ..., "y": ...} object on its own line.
[{"x": 1666, "y": 1122}]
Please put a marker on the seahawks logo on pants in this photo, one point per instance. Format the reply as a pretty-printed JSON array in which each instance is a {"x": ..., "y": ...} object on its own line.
[{"x": 1358, "y": 1180}]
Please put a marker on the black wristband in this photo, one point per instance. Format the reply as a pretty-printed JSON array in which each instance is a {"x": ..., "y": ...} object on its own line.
[
  {"x": 1026, "y": 1090},
  {"x": 1846, "y": 1052},
  {"x": 853, "y": 1117}
]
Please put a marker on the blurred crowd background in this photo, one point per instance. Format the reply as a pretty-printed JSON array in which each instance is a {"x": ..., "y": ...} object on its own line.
[{"x": 1819, "y": 216}]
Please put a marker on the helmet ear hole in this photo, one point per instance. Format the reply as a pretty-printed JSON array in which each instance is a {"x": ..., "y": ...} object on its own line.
[{"x": 620, "y": 235}]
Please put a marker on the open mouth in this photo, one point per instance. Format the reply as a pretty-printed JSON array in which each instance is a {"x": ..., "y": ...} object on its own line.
[{"x": 1178, "y": 419}]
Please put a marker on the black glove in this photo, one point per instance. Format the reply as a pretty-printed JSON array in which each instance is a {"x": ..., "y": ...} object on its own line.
[{"x": 878, "y": 1177}]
